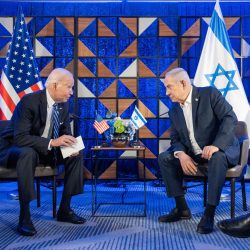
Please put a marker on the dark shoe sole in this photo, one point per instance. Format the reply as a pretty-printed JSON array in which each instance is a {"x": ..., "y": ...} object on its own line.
[
  {"x": 203, "y": 231},
  {"x": 24, "y": 233},
  {"x": 70, "y": 221},
  {"x": 235, "y": 235},
  {"x": 180, "y": 218}
]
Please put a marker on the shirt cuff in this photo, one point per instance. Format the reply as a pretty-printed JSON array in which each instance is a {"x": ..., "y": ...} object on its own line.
[
  {"x": 49, "y": 147},
  {"x": 175, "y": 154}
]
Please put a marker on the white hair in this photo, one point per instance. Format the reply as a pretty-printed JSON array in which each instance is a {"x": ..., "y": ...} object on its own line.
[
  {"x": 58, "y": 75},
  {"x": 179, "y": 74}
]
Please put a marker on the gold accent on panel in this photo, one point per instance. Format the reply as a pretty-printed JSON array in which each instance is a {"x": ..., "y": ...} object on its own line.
[
  {"x": 144, "y": 110},
  {"x": 230, "y": 21},
  {"x": 103, "y": 71},
  {"x": 110, "y": 91},
  {"x": 131, "y": 23},
  {"x": 148, "y": 173},
  {"x": 123, "y": 104},
  {"x": 144, "y": 70},
  {"x": 131, "y": 84},
  {"x": 70, "y": 67},
  {"x": 187, "y": 43},
  {"x": 83, "y": 50},
  {"x": 4, "y": 50},
  {"x": 194, "y": 30},
  {"x": 148, "y": 154},
  {"x": 83, "y": 23},
  {"x": 103, "y": 30},
  {"x": 173, "y": 65},
  {"x": 47, "y": 69},
  {"x": 83, "y": 71},
  {"x": 131, "y": 50},
  {"x": 109, "y": 104},
  {"x": 28, "y": 19},
  {"x": 166, "y": 134},
  {"x": 164, "y": 30},
  {"x": 48, "y": 29},
  {"x": 236, "y": 55},
  {"x": 110, "y": 172},
  {"x": 68, "y": 23},
  {"x": 144, "y": 132}
]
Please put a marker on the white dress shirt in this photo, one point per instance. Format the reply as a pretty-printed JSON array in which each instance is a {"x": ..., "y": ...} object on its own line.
[
  {"x": 48, "y": 123},
  {"x": 188, "y": 115}
]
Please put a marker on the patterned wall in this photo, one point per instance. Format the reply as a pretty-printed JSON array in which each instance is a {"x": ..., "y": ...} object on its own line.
[{"x": 120, "y": 62}]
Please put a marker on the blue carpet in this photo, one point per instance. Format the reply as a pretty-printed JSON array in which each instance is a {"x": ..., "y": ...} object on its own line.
[{"x": 108, "y": 233}]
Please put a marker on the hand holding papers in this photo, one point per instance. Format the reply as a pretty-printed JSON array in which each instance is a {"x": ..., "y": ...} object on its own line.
[{"x": 68, "y": 151}]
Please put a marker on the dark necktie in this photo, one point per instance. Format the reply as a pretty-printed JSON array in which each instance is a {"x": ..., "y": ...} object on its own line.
[{"x": 56, "y": 122}]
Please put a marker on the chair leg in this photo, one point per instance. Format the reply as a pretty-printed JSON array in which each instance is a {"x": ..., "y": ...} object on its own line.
[
  {"x": 244, "y": 199},
  {"x": 38, "y": 192},
  {"x": 205, "y": 193},
  {"x": 54, "y": 196},
  {"x": 232, "y": 197}
]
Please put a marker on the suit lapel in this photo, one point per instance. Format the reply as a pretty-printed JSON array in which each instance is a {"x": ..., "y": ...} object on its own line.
[
  {"x": 181, "y": 120},
  {"x": 195, "y": 104},
  {"x": 43, "y": 108}
]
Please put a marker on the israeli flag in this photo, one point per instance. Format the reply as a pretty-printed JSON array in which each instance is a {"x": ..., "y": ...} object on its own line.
[
  {"x": 138, "y": 119},
  {"x": 218, "y": 68}
]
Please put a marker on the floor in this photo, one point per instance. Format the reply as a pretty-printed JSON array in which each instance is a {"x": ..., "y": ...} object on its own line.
[{"x": 131, "y": 232}]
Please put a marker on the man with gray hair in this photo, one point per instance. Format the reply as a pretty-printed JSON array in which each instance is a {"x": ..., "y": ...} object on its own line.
[
  {"x": 40, "y": 125},
  {"x": 202, "y": 130}
]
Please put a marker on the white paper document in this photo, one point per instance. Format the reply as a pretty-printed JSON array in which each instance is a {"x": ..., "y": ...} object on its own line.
[{"x": 68, "y": 151}]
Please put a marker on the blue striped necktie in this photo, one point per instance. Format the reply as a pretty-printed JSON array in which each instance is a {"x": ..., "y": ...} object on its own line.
[{"x": 56, "y": 122}]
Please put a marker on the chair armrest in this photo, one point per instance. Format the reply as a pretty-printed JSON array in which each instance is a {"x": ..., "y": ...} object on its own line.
[{"x": 244, "y": 152}]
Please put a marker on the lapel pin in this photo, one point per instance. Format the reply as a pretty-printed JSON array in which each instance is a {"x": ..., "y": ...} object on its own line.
[{"x": 196, "y": 99}]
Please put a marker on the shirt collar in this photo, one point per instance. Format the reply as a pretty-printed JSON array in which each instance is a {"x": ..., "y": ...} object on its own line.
[
  {"x": 189, "y": 99},
  {"x": 50, "y": 101}
]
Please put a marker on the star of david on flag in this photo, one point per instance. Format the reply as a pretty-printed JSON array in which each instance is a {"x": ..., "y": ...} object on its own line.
[
  {"x": 20, "y": 74},
  {"x": 217, "y": 66},
  {"x": 138, "y": 119}
]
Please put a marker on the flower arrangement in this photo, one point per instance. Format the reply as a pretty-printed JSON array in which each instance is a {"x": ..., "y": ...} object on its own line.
[{"x": 119, "y": 127}]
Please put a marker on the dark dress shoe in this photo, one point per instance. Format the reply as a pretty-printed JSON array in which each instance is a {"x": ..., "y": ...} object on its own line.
[
  {"x": 70, "y": 217},
  {"x": 237, "y": 227},
  {"x": 206, "y": 225},
  {"x": 26, "y": 229},
  {"x": 176, "y": 215}
]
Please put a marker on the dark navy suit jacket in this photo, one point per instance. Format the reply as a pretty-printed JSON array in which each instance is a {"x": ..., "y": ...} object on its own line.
[
  {"x": 214, "y": 122},
  {"x": 28, "y": 122}
]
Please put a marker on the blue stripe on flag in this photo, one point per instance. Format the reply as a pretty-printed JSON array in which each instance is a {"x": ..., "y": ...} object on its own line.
[
  {"x": 140, "y": 116},
  {"x": 219, "y": 29}
]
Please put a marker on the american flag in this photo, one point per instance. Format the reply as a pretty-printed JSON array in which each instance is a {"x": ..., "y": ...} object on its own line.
[
  {"x": 100, "y": 125},
  {"x": 20, "y": 74}
]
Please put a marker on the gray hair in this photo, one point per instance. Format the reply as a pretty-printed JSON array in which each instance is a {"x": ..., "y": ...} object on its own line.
[
  {"x": 58, "y": 75},
  {"x": 179, "y": 74}
]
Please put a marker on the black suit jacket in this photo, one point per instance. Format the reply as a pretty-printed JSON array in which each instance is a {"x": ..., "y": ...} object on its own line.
[
  {"x": 214, "y": 122},
  {"x": 28, "y": 122}
]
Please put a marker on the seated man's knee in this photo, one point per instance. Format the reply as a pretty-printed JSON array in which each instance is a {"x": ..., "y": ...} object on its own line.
[
  {"x": 165, "y": 157},
  {"x": 219, "y": 156},
  {"x": 27, "y": 153}
]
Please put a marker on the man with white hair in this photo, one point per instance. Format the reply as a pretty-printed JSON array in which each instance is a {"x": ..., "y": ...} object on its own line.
[
  {"x": 202, "y": 130},
  {"x": 37, "y": 138}
]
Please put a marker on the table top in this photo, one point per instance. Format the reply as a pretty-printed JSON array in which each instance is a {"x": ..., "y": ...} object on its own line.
[{"x": 99, "y": 148}]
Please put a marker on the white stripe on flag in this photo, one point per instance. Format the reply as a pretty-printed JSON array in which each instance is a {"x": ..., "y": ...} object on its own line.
[
  {"x": 137, "y": 119},
  {"x": 8, "y": 86},
  {"x": 5, "y": 108}
]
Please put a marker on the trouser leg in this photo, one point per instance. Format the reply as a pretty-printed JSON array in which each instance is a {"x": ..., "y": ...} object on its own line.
[
  {"x": 172, "y": 174},
  {"x": 73, "y": 180},
  {"x": 217, "y": 169}
]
